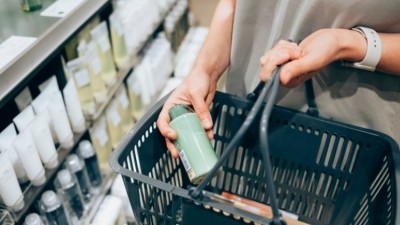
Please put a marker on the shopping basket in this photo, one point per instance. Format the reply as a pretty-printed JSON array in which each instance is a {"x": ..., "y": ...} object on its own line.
[{"x": 324, "y": 171}]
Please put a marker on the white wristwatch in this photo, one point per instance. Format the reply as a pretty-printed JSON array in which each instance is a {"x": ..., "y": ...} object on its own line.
[{"x": 374, "y": 50}]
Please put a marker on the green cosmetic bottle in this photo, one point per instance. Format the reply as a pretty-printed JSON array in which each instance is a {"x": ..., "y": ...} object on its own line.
[{"x": 195, "y": 149}]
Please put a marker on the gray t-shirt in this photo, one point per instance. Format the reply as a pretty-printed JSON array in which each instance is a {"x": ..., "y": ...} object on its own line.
[{"x": 353, "y": 96}]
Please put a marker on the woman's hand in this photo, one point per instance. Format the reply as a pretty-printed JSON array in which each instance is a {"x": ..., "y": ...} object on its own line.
[
  {"x": 197, "y": 90},
  {"x": 314, "y": 53}
]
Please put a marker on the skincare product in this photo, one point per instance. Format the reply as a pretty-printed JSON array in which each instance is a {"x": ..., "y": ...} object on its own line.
[
  {"x": 195, "y": 149},
  {"x": 23, "y": 99},
  {"x": 134, "y": 90},
  {"x": 59, "y": 117},
  {"x": 98, "y": 84},
  {"x": 77, "y": 167},
  {"x": 30, "y": 159},
  {"x": 81, "y": 77},
  {"x": 101, "y": 141},
  {"x": 33, "y": 219},
  {"x": 73, "y": 107},
  {"x": 41, "y": 134},
  {"x": 39, "y": 105},
  {"x": 31, "y": 5},
  {"x": 114, "y": 123},
  {"x": 7, "y": 137},
  {"x": 24, "y": 118},
  {"x": 70, "y": 192},
  {"x": 124, "y": 110},
  {"x": 10, "y": 191},
  {"x": 100, "y": 35},
  {"x": 54, "y": 209},
  {"x": 120, "y": 51},
  {"x": 88, "y": 154}
]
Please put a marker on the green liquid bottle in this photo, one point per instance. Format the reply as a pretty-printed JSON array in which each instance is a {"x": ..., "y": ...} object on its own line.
[
  {"x": 195, "y": 149},
  {"x": 31, "y": 5}
]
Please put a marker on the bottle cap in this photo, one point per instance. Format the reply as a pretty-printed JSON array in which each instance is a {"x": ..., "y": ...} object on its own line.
[
  {"x": 33, "y": 219},
  {"x": 64, "y": 177},
  {"x": 19, "y": 205},
  {"x": 40, "y": 179},
  {"x": 178, "y": 110},
  {"x": 50, "y": 199},
  {"x": 73, "y": 163},
  {"x": 52, "y": 163},
  {"x": 86, "y": 149}
]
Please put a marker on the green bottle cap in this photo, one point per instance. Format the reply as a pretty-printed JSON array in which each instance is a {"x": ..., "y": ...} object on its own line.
[{"x": 178, "y": 110}]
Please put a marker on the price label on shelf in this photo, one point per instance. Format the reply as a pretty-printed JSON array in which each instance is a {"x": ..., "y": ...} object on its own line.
[
  {"x": 13, "y": 47},
  {"x": 61, "y": 8}
]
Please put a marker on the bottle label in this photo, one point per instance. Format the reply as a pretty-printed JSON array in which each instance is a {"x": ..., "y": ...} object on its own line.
[
  {"x": 82, "y": 78},
  {"x": 186, "y": 164},
  {"x": 96, "y": 66}
]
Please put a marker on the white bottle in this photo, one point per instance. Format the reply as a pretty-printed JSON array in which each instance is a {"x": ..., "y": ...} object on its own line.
[
  {"x": 74, "y": 108},
  {"x": 10, "y": 191},
  {"x": 24, "y": 118},
  {"x": 60, "y": 120},
  {"x": 44, "y": 142},
  {"x": 28, "y": 154},
  {"x": 7, "y": 137}
]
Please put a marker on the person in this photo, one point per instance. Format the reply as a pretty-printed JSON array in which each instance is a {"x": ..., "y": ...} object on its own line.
[{"x": 250, "y": 37}]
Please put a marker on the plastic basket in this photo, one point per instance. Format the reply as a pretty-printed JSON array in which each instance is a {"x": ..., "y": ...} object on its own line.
[{"x": 324, "y": 171}]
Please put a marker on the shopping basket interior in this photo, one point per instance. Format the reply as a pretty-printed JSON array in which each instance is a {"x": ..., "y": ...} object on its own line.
[{"x": 325, "y": 172}]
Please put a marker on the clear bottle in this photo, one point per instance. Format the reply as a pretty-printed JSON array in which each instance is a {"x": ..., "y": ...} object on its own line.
[
  {"x": 101, "y": 141},
  {"x": 81, "y": 77},
  {"x": 77, "y": 167},
  {"x": 195, "y": 149},
  {"x": 70, "y": 191},
  {"x": 88, "y": 154},
  {"x": 124, "y": 110},
  {"x": 54, "y": 209}
]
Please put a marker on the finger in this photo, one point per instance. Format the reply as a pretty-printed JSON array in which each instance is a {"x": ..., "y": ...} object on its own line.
[
  {"x": 163, "y": 124},
  {"x": 296, "y": 72},
  {"x": 210, "y": 134},
  {"x": 201, "y": 109},
  {"x": 172, "y": 148}
]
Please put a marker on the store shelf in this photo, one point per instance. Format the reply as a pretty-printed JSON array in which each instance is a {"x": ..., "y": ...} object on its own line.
[
  {"x": 31, "y": 192},
  {"x": 50, "y": 32}
]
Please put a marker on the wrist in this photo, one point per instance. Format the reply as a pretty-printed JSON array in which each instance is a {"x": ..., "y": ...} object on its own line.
[{"x": 352, "y": 45}]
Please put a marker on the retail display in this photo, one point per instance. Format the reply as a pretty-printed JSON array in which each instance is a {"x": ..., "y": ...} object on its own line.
[{"x": 92, "y": 97}]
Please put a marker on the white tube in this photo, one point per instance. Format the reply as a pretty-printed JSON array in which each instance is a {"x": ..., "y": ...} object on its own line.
[
  {"x": 24, "y": 118},
  {"x": 23, "y": 99},
  {"x": 7, "y": 137},
  {"x": 10, "y": 191},
  {"x": 60, "y": 121},
  {"x": 44, "y": 142},
  {"x": 74, "y": 108},
  {"x": 39, "y": 105},
  {"x": 28, "y": 154}
]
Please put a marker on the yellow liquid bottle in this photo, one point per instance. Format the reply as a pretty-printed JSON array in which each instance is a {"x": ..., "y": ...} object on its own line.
[
  {"x": 124, "y": 110},
  {"x": 81, "y": 78},
  {"x": 95, "y": 70},
  {"x": 100, "y": 36},
  {"x": 121, "y": 55},
  {"x": 101, "y": 141}
]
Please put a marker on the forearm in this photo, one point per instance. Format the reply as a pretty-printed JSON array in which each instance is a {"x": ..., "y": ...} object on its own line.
[
  {"x": 214, "y": 55},
  {"x": 354, "y": 47}
]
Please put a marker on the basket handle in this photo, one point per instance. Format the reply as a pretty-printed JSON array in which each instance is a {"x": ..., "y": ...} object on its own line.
[{"x": 264, "y": 89}]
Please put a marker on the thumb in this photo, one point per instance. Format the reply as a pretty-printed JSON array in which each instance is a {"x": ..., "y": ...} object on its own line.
[
  {"x": 293, "y": 71},
  {"x": 202, "y": 111}
]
